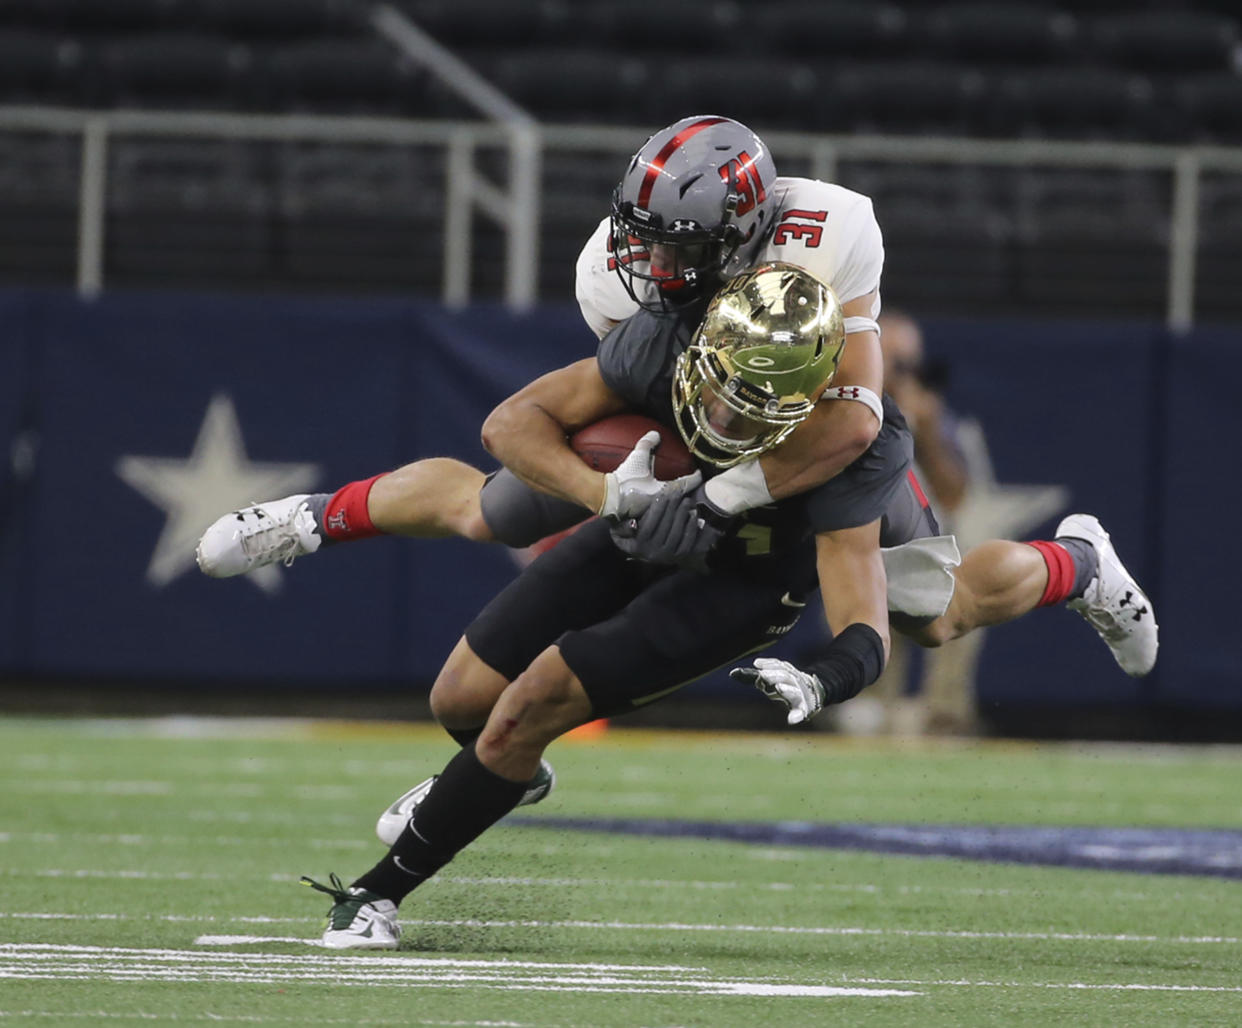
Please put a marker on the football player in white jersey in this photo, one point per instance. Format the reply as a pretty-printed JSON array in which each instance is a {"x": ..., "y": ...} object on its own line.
[{"x": 699, "y": 202}]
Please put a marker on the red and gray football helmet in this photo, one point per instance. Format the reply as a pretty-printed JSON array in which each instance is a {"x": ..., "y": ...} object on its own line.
[{"x": 692, "y": 210}]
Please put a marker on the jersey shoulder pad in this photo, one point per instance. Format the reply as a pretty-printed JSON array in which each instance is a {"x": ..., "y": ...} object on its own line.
[
  {"x": 829, "y": 230},
  {"x": 601, "y": 296}
]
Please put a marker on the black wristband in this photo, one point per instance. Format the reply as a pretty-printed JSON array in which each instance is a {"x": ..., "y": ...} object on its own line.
[{"x": 852, "y": 661}]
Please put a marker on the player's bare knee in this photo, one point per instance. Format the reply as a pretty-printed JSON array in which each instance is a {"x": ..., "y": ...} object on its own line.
[
  {"x": 541, "y": 704},
  {"x": 935, "y": 634},
  {"x": 465, "y": 690},
  {"x": 472, "y": 526}
]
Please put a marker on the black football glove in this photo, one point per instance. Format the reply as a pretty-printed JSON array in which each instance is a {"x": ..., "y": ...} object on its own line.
[{"x": 670, "y": 531}]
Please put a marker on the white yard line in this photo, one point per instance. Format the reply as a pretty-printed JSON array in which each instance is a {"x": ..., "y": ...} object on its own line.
[
  {"x": 49, "y": 962},
  {"x": 1091, "y": 986},
  {"x": 657, "y": 926},
  {"x": 45, "y": 961}
]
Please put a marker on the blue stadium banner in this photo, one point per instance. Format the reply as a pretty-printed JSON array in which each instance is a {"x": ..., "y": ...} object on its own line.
[{"x": 131, "y": 421}]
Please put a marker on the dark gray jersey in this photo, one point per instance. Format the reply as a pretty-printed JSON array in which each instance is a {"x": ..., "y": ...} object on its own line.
[{"x": 636, "y": 360}]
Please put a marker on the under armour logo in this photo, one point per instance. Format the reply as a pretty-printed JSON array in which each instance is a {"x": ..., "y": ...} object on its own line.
[
  {"x": 1127, "y": 601},
  {"x": 337, "y": 522},
  {"x": 847, "y": 392}
]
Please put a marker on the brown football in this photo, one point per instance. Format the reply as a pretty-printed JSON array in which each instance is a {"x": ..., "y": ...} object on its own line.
[{"x": 607, "y": 442}]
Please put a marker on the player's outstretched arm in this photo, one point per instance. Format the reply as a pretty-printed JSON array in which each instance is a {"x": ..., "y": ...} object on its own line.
[
  {"x": 853, "y": 588},
  {"x": 528, "y": 432}
]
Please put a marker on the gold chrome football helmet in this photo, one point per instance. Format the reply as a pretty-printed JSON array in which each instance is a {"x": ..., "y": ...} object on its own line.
[{"x": 767, "y": 348}]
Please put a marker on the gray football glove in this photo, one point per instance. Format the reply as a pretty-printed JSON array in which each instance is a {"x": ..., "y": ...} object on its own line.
[
  {"x": 670, "y": 531},
  {"x": 630, "y": 489},
  {"x": 801, "y": 693}
]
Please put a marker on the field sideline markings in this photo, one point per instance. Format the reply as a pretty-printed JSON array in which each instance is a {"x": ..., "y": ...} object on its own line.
[
  {"x": 39, "y": 961},
  {"x": 1090, "y": 986},
  {"x": 45, "y": 961},
  {"x": 824, "y": 930}
]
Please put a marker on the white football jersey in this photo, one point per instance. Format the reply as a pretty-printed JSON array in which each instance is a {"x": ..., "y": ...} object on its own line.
[{"x": 827, "y": 229}]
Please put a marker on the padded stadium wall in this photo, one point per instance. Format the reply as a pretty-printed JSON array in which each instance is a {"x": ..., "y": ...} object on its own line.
[{"x": 116, "y": 412}]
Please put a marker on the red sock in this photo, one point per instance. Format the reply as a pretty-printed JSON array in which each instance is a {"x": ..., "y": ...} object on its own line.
[
  {"x": 1060, "y": 571},
  {"x": 345, "y": 516}
]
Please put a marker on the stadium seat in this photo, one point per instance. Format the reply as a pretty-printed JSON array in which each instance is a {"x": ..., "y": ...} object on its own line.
[
  {"x": 345, "y": 77},
  {"x": 1085, "y": 265},
  {"x": 175, "y": 70},
  {"x": 1220, "y": 210},
  {"x": 465, "y": 25},
  {"x": 771, "y": 93},
  {"x": 850, "y": 30},
  {"x": 687, "y": 29},
  {"x": 39, "y": 67},
  {"x": 271, "y": 20},
  {"x": 191, "y": 175},
  {"x": 559, "y": 84},
  {"x": 1210, "y": 106},
  {"x": 999, "y": 33},
  {"x": 1094, "y": 238},
  {"x": 1164, "y": 41},
  {"x": 1070, "y": 103},
  {"x": 942, "y": 260},
  {"x": 339, "y": 179},
  {"x": 1219, "y": 265},
  {"x": 188, "y": 212},
  {"x": 91, "y": 16},
  {"x": 898, "y": 96}
]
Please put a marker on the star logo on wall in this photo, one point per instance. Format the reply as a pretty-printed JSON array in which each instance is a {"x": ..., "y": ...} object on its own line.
[
  {"x": 215, "y": 478},
  {"x": 992, "y": 510}
]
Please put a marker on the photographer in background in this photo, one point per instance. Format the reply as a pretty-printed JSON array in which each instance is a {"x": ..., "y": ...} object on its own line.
[{"x": 930, "y": 691}]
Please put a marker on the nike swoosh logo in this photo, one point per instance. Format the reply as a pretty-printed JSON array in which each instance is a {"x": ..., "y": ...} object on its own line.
[
  {"x": 789, "y": 601},
  {"x": 397, "y": 860}
]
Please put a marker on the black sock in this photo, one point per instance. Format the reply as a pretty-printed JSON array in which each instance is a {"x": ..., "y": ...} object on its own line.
[
  {"x": 1086, "y": 563},
  {"x": 465, "y": 801},
  {"x": 464, "y": 736}
]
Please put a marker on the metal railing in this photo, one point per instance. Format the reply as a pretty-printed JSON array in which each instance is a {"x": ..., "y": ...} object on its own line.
[{"x": 516, "y": 209}]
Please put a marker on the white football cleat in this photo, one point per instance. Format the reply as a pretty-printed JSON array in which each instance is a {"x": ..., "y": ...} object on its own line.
[
  {"x": 257, "y": 536},
  {"x": 358, "y": 919},
  {"x": 1113, "y": 602},
  {"x": 393, "y": 821}
]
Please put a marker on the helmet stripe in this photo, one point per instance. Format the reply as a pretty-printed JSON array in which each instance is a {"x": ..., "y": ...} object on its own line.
[{"x": 657, "y": 165}]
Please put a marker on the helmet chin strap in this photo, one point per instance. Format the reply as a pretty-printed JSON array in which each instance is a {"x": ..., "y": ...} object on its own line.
[{"x": 728, "y": 214}]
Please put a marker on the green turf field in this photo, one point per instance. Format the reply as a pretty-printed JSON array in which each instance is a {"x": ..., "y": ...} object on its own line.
[{"x": 133, "y": 855}]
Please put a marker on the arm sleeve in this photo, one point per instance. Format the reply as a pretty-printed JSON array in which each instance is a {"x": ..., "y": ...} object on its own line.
[{"x": 634, "y": 356}]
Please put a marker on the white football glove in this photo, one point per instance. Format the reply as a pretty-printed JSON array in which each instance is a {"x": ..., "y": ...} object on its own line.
[
  {"x": 800, "y": 692},
  {"x": 630, "y": 489}
]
